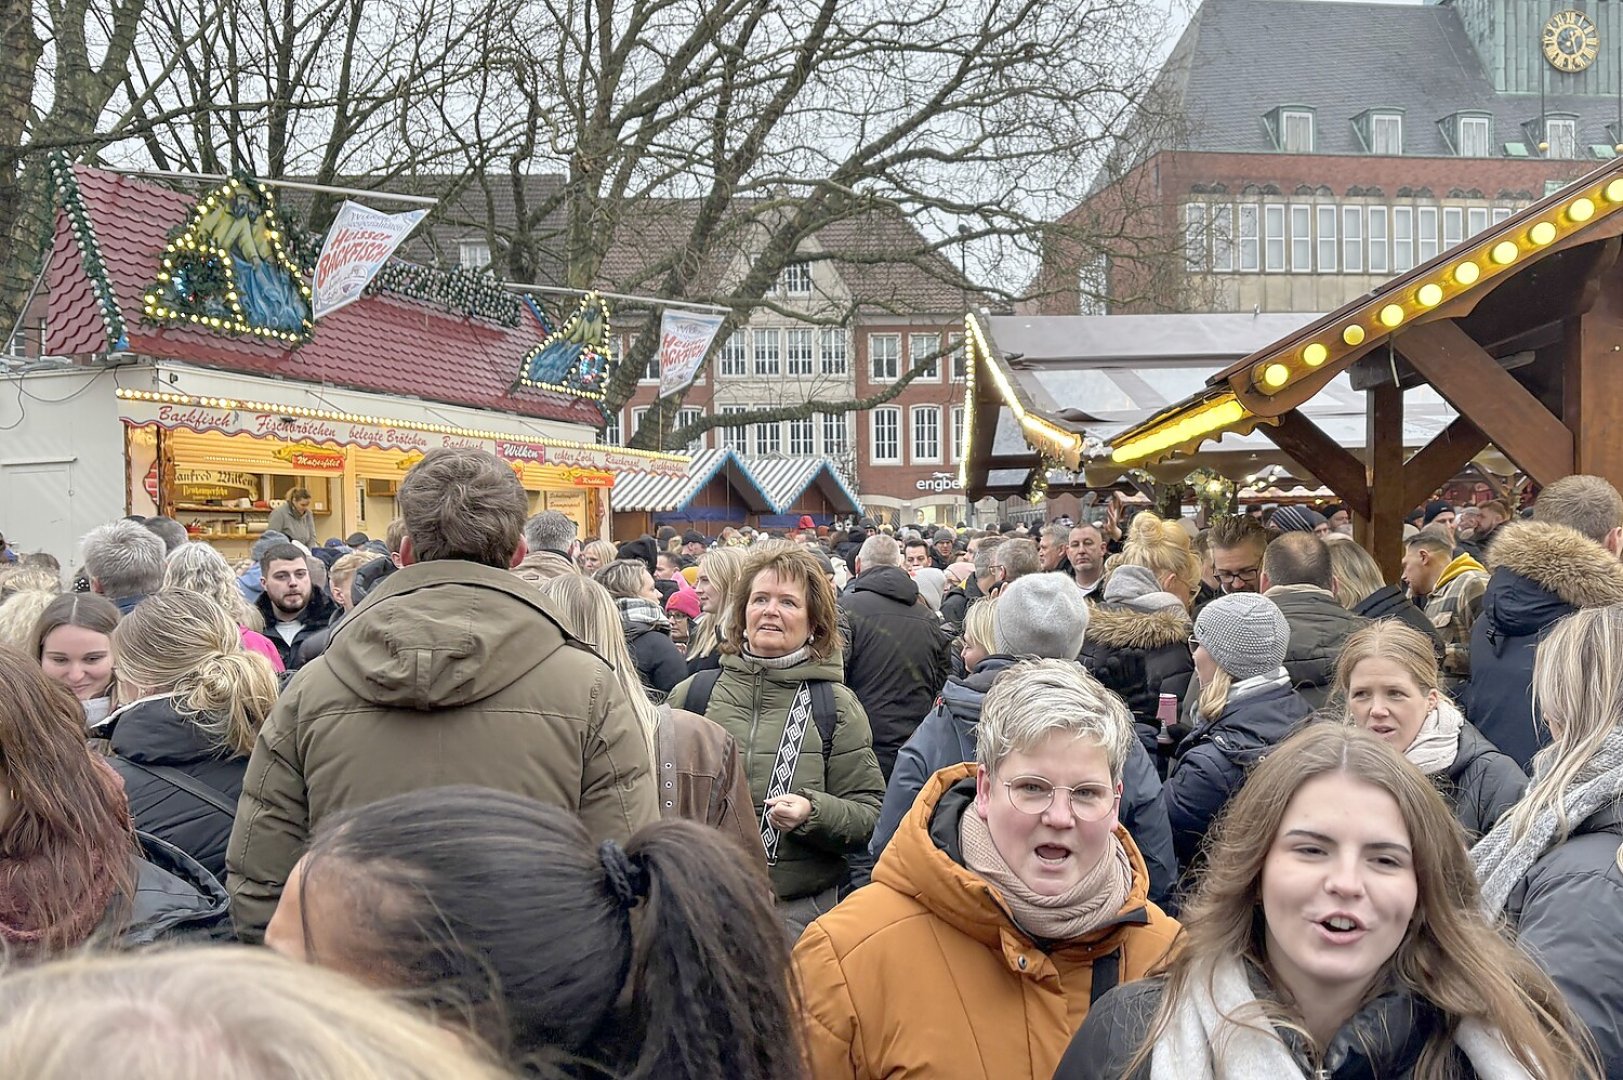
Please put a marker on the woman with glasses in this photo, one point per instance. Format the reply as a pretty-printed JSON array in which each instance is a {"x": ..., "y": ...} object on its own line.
[{"x": 1008, "y": 901}]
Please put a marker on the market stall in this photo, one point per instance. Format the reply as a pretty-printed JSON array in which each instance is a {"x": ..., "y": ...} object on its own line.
[{"x": 717, "y": 490}]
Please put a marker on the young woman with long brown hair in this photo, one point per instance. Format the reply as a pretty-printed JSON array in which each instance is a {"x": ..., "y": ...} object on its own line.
[
  {"x": 1337, "y": 932},
  {"x": 73, "y": 642}
]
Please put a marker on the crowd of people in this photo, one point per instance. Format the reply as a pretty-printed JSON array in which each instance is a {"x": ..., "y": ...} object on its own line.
[{"x": 1138, "y": 798}]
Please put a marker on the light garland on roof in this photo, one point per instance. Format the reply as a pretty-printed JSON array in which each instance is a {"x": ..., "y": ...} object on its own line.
[
  {"x": 1220, "y": 413},
  {"x": 1060, "y": 444},
  {"x": 72, "y": 202}
]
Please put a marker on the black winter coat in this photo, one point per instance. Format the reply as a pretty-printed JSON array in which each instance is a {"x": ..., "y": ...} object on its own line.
[
  {"x": 1209, "y": 766},
  {"x": 895, "y": 656},
  {"x": 1541, "y": 572},
  {"x": 312, "y": 621},
  {"x": 175, "y": 901},
  {"x": 1392, "y": 602},
  {"x": 153, "y": 733},
  {"x": 660, "y": 665},
  {"x": 1568, "y": 914},
  {"x": 1152, "y": 648},
  {"x": 1319, "y": 627},
  {"x": 1482, "y": 783},
  {"x": 1382, "y": 1041}
]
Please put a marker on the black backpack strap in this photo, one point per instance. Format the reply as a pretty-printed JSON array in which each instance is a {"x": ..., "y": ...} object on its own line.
[
  {"x": 698, "y": 695},
  {"x": 1106, "y": 974},
  {"x": 189, "y": 784},
  {"x": 825, "y": 714}
]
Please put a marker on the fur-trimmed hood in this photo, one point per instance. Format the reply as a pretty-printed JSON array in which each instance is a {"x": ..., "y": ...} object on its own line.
[
  {"x": 1114, "y": 627},
  {"x": 1559, "y": 560}
]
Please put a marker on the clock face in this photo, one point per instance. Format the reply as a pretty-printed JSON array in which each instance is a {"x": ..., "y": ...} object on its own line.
[{"x": 1570, "y": 41}]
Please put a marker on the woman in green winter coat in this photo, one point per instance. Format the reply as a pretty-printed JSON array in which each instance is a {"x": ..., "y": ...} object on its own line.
[{"x": 816, "y": 798}]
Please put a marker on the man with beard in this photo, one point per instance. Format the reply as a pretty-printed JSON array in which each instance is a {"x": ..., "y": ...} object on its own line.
[{"x": 293, "y": 606}]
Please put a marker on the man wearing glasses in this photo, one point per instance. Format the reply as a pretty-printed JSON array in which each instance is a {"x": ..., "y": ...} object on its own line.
[{"x": 1237, "y": 544}]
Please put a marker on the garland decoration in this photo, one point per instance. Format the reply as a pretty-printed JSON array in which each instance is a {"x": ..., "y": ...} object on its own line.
[
  {"x": 1213, "y": 491},
  {"x": 459, "y": 290},
  {"x": 72, "y": 202}
]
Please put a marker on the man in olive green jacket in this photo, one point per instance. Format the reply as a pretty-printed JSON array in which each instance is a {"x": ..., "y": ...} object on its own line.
[{"x": 452, "y": 671}]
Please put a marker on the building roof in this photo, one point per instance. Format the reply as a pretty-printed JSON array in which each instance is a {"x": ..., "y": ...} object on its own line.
[
  {"x": 786, "y": 479},
  {"x": 643, "y": 491},
  {"x": 1238, "y": 59},
  {"x": 383, "y": 343}
]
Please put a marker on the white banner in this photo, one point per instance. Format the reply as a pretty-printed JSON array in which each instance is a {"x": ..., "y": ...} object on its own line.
[
  {"x": 358, "y": 244},
  {"x": 684, "y": 338}
]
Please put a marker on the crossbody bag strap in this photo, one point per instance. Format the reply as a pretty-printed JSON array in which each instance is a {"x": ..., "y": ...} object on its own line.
[
  {"x": 783, "y": 766},
  {"x": 189, "y": 784}
]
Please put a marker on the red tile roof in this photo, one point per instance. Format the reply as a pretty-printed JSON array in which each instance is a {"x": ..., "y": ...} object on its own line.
[{"x": 380, "y": 343}]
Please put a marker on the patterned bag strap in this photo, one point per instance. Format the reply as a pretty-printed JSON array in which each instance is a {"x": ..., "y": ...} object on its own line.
[{"x": 783, "y": 767}]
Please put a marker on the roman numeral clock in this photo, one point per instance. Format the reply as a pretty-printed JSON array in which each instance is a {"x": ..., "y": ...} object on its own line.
[{"x": 1570, "y": 40}]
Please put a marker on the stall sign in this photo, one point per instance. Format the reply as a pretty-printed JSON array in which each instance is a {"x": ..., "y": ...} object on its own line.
[
  {"x": 358, "y": 244},
  {"x": 587, "y": 478},
  {"x": 310, "y": 458},
  {"x": 199, "y": 485},
  {"x": 521, "y": 453}
]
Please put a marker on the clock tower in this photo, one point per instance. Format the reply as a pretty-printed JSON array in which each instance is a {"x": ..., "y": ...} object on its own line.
[{"x": 1559, "y": 48}]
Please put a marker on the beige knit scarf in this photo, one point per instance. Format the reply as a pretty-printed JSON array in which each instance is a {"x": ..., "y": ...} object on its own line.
[{"x": 1086, "y": 906}]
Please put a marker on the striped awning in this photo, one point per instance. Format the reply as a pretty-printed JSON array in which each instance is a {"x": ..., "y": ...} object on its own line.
[
  {"x": 786, "y": 479},
  {"x": 644, "y": 491}
]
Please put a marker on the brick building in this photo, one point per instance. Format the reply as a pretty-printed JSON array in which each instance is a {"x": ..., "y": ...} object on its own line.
[{"x": 1320, "y": 148}]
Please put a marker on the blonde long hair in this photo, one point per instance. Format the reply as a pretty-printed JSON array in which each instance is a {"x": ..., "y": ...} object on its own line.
[
  {"x": 215, "y": 1013},
  {"x": 724, "y": 566},
  {"x": 184, "y": 643},
  {"x": 1576, "y": 674},
  {"x": 589, "y": 610},
  {"x": 197, "y": 567},
  {"x": 1161, "y": 547},
  {"x": 1452, "y": 955}
]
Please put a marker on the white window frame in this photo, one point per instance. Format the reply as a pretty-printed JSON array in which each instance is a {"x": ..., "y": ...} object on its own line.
[
  {"x": 1352, "y": 239},
  {"x": 1275, "y": 249},
  {"x": 650, "y": 373},
  {"x": 734, "y": 437},
  {"x": 611, "y": 435},
  {"x": 767, "y": 437},
  {"x": 893, "y": 416},
  {"x": 799, "y": 356},
  {"x": 925, "y": 420},
  {"x": 795, "y": 279},
  {"x": 1390, "y": 146},
  {"x": 893, "y": 356},
  {"x": 920, "y": 346},
  {"x": 691, "y": 415},
  {"x": 806, "y": 447},
  {"x": 1501, "y": 213},
  {"x": 1194, "y": 236},
  {"x": 1301, "y": 237},
  {"x": 1250, "y": 220},
  {"x": 835, "y": 350},
  {"x": 1380, "y": 256},
  {"x": 960, "y": 357},
  {"x": 1476, "y": 219},
  {"x": 473, "y": 254},
  {"x": 734, "y": 359},
  {"x": 636, "y": 420},
  {"x": 1222, "y": 230},
  {"x": 956, "y": 448},
  {"x": 1453, "y": 226},
  {"x": 1561, "y": 135},
  {"x": 1425, "y": 234},
  {"x": 832, "y": 423},
  {"x": 1475, "y": 136},
  {"x": 1402, "y": 239},
  {"x": 1325, "y": 236},
  {"x": 767, "y": 344},
  {"x": 1286, "y": 143}
]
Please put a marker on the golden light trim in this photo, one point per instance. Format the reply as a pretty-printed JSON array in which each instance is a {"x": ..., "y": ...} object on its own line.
[
  {"x": 1275, "y": 375},
  {"x": 1430, "y": 294},
  {"x": 1315, "y": 354},
  {"x": 1542, "y": 233},
  {"x": 1353, "y": 334},
  {"x": 304, "y": 412},
  {"x": 1504, "y": 252},
  {"x": 1391, "y": 315},
  {"x": 1215, "y": 415},
  {"x": 1614, "y": 191},
  {"x": 1581, "y": 210},
  {"x": 1466, "y": 273}
]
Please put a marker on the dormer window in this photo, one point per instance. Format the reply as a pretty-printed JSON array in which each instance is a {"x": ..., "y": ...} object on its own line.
[
  {"x": 1291, "y": 128},
  {"x": 795, "y": 279},
  {"x": 1468, "y": 134},
  {"x": 1381, "y": 131},
  {"x": 1555, "y": 136}
]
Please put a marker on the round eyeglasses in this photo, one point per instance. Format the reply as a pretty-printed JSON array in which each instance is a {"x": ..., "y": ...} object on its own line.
[{"x": 1033, "y": 795}]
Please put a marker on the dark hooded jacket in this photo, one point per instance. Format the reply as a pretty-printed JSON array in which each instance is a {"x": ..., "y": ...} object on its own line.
[
  {"x": 313, "y": 621},
  {"x": 175, "y": 900},
  {"x": 1319, "y": 628},
  {"x": 152, "y": 733},
  {"x": 1482, "y": 783},
  {"x": 1384, "y": 1040},
  {"x": 1540, "y": 573},
  {"x": 1151, "y": 648},
  {"x": 1209, "y": 766},
  {"x": 1392, "y": 602},
  {"x": 947, "y": 737},
  {"x": 895, "y": 656}
]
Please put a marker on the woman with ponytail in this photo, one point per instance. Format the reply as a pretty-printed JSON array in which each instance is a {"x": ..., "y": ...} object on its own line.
[
  {"x": 663, "y": 959},
  {"x": 196, "y": 700}
]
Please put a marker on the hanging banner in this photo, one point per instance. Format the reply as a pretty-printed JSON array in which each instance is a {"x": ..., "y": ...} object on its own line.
[
  {"x": 684, "y": 338},
  {"x": 358, "y": 244}
]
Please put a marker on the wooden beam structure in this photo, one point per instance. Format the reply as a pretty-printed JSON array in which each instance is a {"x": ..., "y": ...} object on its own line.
[
  {"x": 1501, "y": 408},
  {"x": 1336, "y": 468},
  {"x": 1440, "y": 460},
  {"x": 1592, "y": 382},
  {"x": 1381, "y": 530}
]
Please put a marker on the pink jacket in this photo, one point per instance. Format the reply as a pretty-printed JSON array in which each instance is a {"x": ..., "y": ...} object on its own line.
[{"x": 261, "y": 644}]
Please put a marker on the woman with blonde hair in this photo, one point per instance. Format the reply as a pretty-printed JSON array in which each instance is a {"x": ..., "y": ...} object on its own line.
[
  {"x": 595, "y": 555},
  {"x": 1551, "y": 867},
  {"x": 20, "y": 613},
  {"x": 719, "y": 571},
  {"x": 696, "y": 761},
  {"x": 1356, "y": 581},
  {"x": 196, "y": 702},
  {"x": 1337, "y": 933},
  {"x": 197, "y": 567},
  {"x": 1388, "y": 679},
  {"x": 216, "y": 1014}
]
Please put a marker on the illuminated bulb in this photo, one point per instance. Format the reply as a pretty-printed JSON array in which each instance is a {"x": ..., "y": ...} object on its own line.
[
  {"x": 1542, "y": 233},
  {"x": 1581, "y": 210},
  {"x": 1466, "y": 273},
  {"x": 1614, "y": 191},
  {"x": 1504, "y": 252},
  {"x": 1353, "y": 335},
  {"x": 1315, "y": 354},
  {"x": 1430, "y": 294},
  {"x": 1276, "y": 375},
  {"x": 1391, "y": 315}
]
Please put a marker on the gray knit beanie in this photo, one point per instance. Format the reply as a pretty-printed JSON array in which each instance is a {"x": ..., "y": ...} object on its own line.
[
  {"x": 267, "y": 540},
  {"x": 1042, "y": 615},
  {"x": 1245, "y": 633},
  {"x": 1136, "y": 587}
]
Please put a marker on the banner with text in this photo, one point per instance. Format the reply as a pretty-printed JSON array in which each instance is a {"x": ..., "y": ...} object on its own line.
[
  {"x": 358, "y": 244},
  {"x": 684, "y": 338}
]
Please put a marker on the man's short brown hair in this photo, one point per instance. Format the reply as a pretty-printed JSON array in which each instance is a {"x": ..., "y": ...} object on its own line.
[
  {"x": 1237, "y": 530},
  {"x": 463, "y": 504},
  {"x": 1589, "y": 504}
]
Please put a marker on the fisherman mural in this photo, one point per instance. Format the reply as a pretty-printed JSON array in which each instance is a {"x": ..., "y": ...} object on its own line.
[{"x": 576, "y": 357}]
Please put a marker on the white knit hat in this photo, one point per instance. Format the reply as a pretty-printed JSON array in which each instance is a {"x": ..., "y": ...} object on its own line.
[{"x": 1245, "y": 633}]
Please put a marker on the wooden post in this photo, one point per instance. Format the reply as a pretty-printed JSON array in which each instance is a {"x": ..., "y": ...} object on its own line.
[
  {"x": 1382, "y": 535},
  {"x": 1592, "y": 383},
  {"x": 1334, "y": 466}
]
